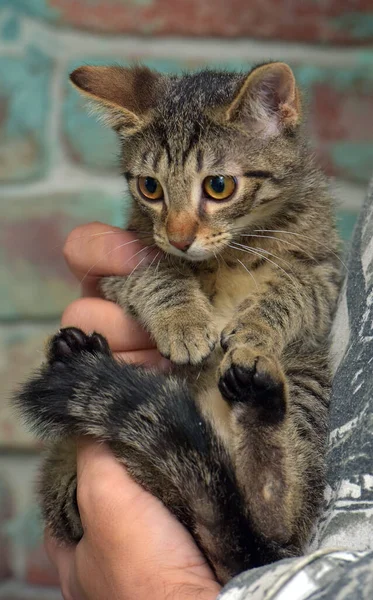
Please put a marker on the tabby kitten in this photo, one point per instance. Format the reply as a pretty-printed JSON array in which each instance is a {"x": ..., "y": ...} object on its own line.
[{"x": 241, "y": 299}]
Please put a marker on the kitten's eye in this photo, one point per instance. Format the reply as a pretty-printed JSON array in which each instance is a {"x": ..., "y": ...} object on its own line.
[
  {"x": 150, "y": 188},
  {"x": 219, "y": 187}
]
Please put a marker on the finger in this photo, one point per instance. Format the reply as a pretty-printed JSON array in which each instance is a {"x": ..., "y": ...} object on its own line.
[
  {"x": 62, "y": 558},
  {"x": 104, "y": 491},
  {"x": 95, "y": 314},
  {"x": 90, "y": 287},
  {"x": 147, "y": 358},
  {"x": 57, "y": 553},
  {"x": 96, "y": 250},
  {"x": 117, "y": 514}
]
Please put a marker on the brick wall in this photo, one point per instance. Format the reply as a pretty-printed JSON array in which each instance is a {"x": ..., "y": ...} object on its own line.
[{"x": 57, "y": 166}]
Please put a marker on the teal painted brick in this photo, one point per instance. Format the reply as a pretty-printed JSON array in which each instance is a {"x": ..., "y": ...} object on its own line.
[
  {"x": 86, "y": 140},
  {"x": 41, "y": 9},
  {"x": 21, "y": 352},
  {"x": 358, "y": 77},
  {"x": 10, "y": 28},
  {"x": 35, "y": 281},
  {"x": 358, "y": 25},
  {"x": 308, "y": 21},
  {"x": 354, "y": 160},
  {"x": 6, "y": 506},
  {"x": 346, "y": 221},
  {"x": 24, "y": 108},
  {"x": 16, "y": 590}
]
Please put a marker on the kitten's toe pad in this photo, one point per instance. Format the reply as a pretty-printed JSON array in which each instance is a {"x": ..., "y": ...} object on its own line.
[
  {"x": 250, "y": 378},
  {"x": 70, "y": 341}
]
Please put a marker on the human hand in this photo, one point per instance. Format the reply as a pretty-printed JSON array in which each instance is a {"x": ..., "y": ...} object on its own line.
[
  {"x": 91, "y": 252},
  {"x": 132, "y": 547}
]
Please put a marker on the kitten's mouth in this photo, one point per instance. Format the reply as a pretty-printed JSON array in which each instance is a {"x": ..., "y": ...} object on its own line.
[{"x": 194, "y": 252}]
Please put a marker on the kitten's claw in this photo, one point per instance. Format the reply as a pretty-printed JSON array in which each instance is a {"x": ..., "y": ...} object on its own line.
[
  {"x": 225, "y": 337},
  {"x": 70, "y": 341},
  {"x": 233, "y": 336},
  {"x": 246, "y": 377}
]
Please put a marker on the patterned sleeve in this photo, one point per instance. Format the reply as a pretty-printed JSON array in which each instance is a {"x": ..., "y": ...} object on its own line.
[{"x": 339, "y": 562}]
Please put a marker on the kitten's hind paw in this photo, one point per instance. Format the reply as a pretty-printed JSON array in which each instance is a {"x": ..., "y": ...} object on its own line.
[
  {"x": 70, "y": 341},
  {"x": 258, "y": 381}
]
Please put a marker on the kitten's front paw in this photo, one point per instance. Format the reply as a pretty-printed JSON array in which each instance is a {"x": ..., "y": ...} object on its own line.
[
  {"x": 70, "y": 341},
  {"x": 186, "y": 339},
  {"x": 248, "y": 377}
]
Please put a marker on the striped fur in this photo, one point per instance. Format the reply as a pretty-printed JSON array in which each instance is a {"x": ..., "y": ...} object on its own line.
[{"x": 233, "y": 442}]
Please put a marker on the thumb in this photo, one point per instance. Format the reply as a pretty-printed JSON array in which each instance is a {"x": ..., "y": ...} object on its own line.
[
  {"x": 62, "y": 558},
  {"x": 105, "y": 491}
]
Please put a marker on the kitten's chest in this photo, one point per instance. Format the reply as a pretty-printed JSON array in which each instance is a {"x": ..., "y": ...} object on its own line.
[{"x": 229, "y": 287}]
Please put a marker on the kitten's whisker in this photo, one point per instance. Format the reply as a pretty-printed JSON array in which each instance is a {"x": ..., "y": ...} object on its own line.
[
  {"x": 267, "y": 252},
  {"x": 251, "y": 251},
  {"x": 92, "y": 235},
  {"x": 139, "y": 252},
  {"x": 216, "y": 258},
  {"x": 272, "y": 237},
  {"x": 157, "y": 267},
  {"x": 154, "y": 259},
  {"x": 249, "y": 272},
  {"x": 106, "y": 255},
  {"x": 306, "y": 237},
  {"x": 224, "y": 261},
  {"x": 139, "y": 263}
]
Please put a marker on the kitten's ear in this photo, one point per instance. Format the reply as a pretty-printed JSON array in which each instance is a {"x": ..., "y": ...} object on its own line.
[
  {"x": 122, "y": 96},
  {"x": 268, "y": 100}
]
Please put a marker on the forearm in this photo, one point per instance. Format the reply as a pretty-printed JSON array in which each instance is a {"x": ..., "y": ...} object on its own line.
[
  {"x": 152, "y": 290},
  {"x": 172, "y": 308}
]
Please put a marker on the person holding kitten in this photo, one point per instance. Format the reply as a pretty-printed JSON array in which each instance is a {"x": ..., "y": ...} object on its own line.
[
  {"x": 233, "y": 442},
  {"x": 133, "y": 548},
  {"x": 125, "y": 525}
]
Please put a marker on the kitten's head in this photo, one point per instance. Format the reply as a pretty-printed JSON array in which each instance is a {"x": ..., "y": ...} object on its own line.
[{"x": 206, "y": 155}]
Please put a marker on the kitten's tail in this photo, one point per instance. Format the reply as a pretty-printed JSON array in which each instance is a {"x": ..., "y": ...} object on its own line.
[{"x": 154, "y": 426}]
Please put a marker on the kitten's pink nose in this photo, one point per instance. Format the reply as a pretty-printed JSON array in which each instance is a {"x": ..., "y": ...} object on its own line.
[{"x": 182, "y": 245}]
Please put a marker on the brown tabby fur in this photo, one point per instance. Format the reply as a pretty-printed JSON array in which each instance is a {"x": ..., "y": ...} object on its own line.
[{"x": 261, "y": 277}]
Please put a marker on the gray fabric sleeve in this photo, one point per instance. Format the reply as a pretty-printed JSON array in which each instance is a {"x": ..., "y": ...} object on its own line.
[
  {"x": 322, "y": 575},
  {"x": 339, "y": 562}
]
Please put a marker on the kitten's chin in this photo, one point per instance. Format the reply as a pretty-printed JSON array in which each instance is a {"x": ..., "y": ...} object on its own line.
[{"x": 193, "y": 254}]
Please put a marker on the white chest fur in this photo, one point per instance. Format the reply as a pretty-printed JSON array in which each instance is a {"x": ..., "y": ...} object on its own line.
[{"x": 232, "y": 287}]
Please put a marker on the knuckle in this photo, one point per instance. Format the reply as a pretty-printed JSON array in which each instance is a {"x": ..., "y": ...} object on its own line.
[
  {"x": 79, "y": 234},
  {"x": 65, "y": 590},
  {"x": 69, "y": 247},
  {"x": 71, "y": 316},
  {"x": 94, "y": 491}
]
